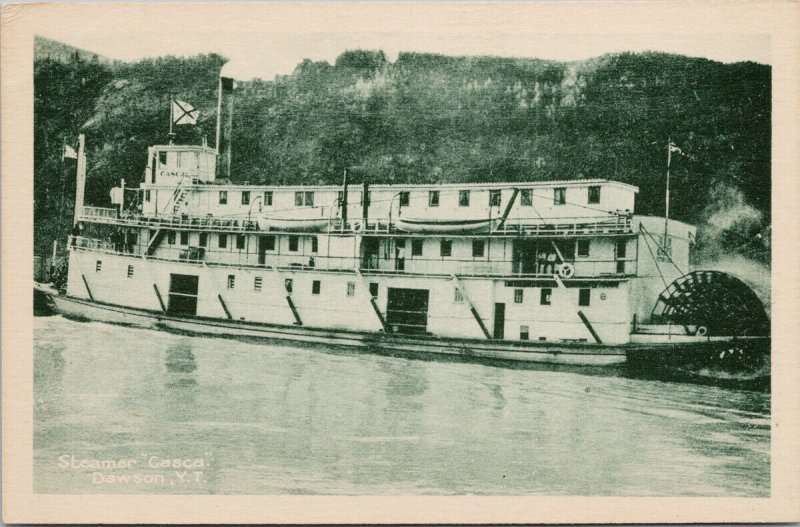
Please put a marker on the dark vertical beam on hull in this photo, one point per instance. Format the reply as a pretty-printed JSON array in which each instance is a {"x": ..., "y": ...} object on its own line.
[
  {"x": 224, "y": 307},
  {"x": 86, "y": 283},
  {"x": 297, "y": 319},
  {"x": 480, "y": 322},
  {"x": 506, "y": 212},
  {"x": 589, "y": 327},
  {"x": 160, "y": 300},
  {"x": 379, "y": 314}
]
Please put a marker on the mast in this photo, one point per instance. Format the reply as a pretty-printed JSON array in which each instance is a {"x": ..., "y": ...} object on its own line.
[
  {"x": 343, "y": 204},
  {"x": 80, "y": 179},
  {"x": 171, "y": 120},
  {"x": 666, "y": 204}
]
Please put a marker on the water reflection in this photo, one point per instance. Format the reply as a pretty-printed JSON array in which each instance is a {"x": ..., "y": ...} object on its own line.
[
  {"x": 278, "y": 419},
  {"x": 181, "y": 365}
]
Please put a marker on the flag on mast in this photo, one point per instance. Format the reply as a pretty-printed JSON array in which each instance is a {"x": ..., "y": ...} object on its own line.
[
  {"x": 68, "y": 152},
  {"x": 673, "y": 148},
  {"x": 184, "y": 113}
]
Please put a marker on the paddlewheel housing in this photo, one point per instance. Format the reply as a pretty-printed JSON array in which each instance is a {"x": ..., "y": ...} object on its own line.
[{"x": 716, "y": 303}]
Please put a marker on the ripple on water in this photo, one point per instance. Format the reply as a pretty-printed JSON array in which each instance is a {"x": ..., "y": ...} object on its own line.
[{"x": 281, "y": 419}]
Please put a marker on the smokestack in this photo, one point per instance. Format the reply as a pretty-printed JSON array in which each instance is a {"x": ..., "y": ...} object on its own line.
[{"x": 224, "y": 126}]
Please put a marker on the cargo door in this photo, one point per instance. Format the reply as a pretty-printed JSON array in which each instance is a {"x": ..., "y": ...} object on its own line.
[
  {"x": 182, "y": 294},
  {"x": 407, "y": 310}
]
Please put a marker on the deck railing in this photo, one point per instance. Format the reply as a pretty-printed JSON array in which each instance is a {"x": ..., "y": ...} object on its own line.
[
  {"x": 574, "y": 226},
  {"x": 583, "y": 268},
  {"x": 100, "y": 212}
]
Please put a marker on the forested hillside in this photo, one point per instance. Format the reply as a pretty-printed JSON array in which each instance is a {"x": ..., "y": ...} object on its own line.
[{"x": 427, "y": 118}]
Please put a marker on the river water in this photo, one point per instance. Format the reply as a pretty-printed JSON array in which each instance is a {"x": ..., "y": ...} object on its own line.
[{"x": 173, "y": 414}]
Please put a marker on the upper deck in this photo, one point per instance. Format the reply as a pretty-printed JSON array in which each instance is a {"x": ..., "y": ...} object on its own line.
[{"x": 589, "y": 198}]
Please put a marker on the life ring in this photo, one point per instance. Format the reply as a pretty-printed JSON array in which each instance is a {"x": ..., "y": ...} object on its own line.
[
  {"x": 565, "y": 270},
  {"x": 701, "y": 331}
]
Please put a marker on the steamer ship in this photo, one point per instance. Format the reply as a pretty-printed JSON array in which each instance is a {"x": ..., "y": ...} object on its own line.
[{"x": 547, "y": 271}]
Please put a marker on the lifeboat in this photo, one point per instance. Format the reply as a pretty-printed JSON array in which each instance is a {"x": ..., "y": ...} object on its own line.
[
  {"x": 287, "y": 222},
  {"x": 432, "y": 225}
]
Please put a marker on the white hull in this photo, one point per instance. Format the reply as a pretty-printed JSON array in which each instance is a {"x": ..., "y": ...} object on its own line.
[{"x": 397, "y": 344}]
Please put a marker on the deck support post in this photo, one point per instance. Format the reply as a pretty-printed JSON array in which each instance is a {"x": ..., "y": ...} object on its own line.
[
  {"x": 472, "y": 309},
  {"x": 506, "y": 212},
  {"x": 297, "y": 320},
  {"x": 160, "y": 300},
  {"x": 589, "y": 327},
  {"x": 219, "y": 295},
  {"x": 224, "y": 307},
  {"x": 377, "y": 311}
]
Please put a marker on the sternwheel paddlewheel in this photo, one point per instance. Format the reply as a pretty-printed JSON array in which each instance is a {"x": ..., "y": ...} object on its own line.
[{"x": 715, "y": 303}]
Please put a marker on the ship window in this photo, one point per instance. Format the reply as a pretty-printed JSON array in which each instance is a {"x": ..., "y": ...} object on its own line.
[
  {"x": 222, "y": 241},
  {"x": 463, "y": 198},
  {"x": 231, "y": 281},
  {"x": 416, "y": 247},
  {"x": 518, "y": 296},
  {"x": 524, "y": 333},
  {"x": 433, "y": 198},
  {"x": 459, "y": 297},
  {"x": 184, "y": 238},
  {"x": 269, "y": 243},
  {"x": 309, "y": 199},
  {"x": 293, "y": 243},
  {"x": 130, "y": 271},
  {"x": 405, "y": 199},
  {"x": 257, "y": 281},
  {"x": 268, "y": 198},
  {"x": 583, "y": 248},
  {"x": 559, "y": 196},
  {"x": 446, "y": 248},
  {"x": 584, "y": 297},
  {"x": 162, "y": 158},
  {"x": 477, "y": 248},
  {"x": 245, "y": 197},
  {"x": 495, "y": 198},
  {"x": 351, "y": 289},
  {"x": 594, "y": 194},
  {"x": 98, "y": 266},
  {"x": 147, "y": 195},
  {"x": 223, "y": 197},
  {"x": 298, "y": 199},
  {"x": 545, "y": 296},
  {"x": 316, "y": 285},
  {"x": 203, "y": 239},
  {"x": 288, "y": 284},
  {"x": 373, "y": 289},
  {"x": 171, "y": 237},
  {"x": 240, "y": 241},
  {"x": 526, "y": 197},
  {"x": 314, "y": 244}
]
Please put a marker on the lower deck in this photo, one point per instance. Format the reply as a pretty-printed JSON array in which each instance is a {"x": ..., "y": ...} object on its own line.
[{"x": 542, "y": 310}]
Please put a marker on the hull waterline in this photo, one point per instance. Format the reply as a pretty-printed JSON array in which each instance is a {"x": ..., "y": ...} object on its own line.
[{"x": 589, "y": 355}]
